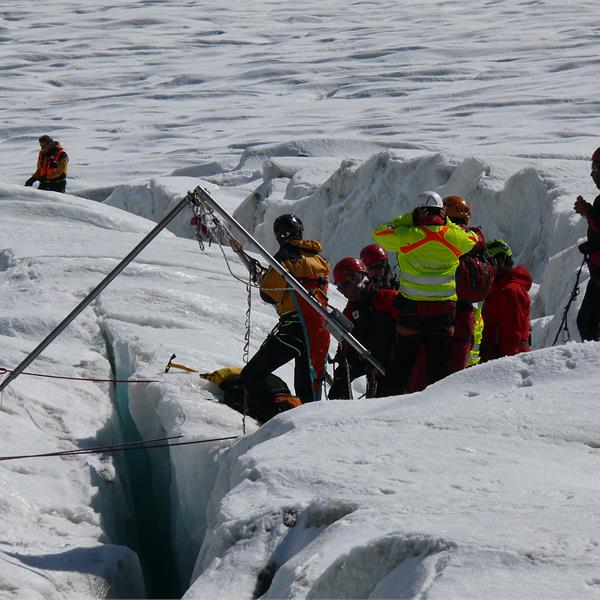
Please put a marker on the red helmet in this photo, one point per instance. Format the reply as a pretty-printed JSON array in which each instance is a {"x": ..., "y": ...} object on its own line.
[
  {"x": 596, "y": 155},
  {"x": 373, "y": 254},
  {"x": 346, "y": 269}
]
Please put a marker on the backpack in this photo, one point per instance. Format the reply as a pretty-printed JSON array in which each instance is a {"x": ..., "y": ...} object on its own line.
[{"x": 475, "y": 273}]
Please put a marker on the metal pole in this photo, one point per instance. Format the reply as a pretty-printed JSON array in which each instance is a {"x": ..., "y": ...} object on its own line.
[
  {"x": 335, "y": 328},
  {"x": 93, "y": 294}
]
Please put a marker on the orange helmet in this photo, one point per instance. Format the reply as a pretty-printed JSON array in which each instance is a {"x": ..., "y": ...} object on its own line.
[{"x": 457, "y": 209}]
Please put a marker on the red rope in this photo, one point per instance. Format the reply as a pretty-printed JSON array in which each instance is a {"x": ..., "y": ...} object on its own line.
[{"x": 5, "y": 371}]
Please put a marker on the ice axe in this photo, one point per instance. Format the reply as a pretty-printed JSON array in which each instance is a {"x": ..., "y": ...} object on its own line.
[{"x": 173, "y": 365}]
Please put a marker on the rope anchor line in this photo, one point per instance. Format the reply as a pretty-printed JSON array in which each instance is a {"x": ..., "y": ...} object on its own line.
[
  {"x": 125, "y": 446},
  {"x": 4, "y": 371}
]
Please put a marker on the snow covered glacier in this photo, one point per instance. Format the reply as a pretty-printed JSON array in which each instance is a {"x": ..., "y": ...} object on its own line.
[{"x": 480, "y": 485}]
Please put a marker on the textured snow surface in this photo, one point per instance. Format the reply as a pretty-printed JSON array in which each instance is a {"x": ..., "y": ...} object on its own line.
[{"x": 482, "y": 486}]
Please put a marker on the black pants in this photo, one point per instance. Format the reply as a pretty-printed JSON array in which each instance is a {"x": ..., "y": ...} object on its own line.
[
  {"x": 588, "y": 317},
  {"x": 53, "y": 186},
  {"x": 343, "y": 377},
  {"x": 432, "y": 332},
  {"x": 285, "y": 344}
]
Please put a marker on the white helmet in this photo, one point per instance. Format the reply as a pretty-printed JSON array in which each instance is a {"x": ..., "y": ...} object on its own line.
[{"x": 430, "y": 199}]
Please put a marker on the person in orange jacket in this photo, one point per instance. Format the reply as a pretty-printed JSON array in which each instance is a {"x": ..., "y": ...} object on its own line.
[
  {"x": 507, "y": 327},
  {"x": 300, "y": 334},
  {"x": 52, "y": 165},
  {"x": 469, "y": 294}
]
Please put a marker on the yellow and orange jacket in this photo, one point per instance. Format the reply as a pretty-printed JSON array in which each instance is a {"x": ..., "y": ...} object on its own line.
[
  {"x": 427, "y": 256},
  {"x": 303, "y": 260},
  {"x": 52, "y": 163}
]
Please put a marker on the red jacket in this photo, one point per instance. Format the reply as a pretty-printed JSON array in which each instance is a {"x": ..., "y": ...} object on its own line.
[{"x": 506, "y": 324}]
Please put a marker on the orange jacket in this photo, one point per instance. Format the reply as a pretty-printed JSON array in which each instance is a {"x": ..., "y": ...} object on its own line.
[
  {"x": 301, "y": 258},
  {"x": 52, "y": 163}
]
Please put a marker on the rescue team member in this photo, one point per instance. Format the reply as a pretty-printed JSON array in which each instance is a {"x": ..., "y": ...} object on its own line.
[
  {"x": 588, "y": 317},
  {"x": 372, "y": 312},
  {"x": 300, "y": 333},
  {"x": 469, "y": 323},
  {"x": 376, "y": 260},
  {"x": 507, "y": 328},
  {"x": 52, "y": 166},
  {"x": 428, "y": 247}
]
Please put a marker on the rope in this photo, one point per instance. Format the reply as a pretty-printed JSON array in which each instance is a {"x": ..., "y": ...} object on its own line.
[
  {"x": 247, "y": 325},
  {"x": 204, "y": 214},
  {"x": 5, "y": 371},
  {"x": 141, "y": 445},
  {"x": 574, "y": 293}
]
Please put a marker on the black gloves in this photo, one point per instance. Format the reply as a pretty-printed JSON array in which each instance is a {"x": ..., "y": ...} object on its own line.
[
  {"x": 30, "y": 181},
  {"x": 419, "y": 214}
]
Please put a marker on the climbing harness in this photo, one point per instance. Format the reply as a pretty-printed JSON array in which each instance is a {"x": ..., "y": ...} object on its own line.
[{"x": 574, "y": 293}]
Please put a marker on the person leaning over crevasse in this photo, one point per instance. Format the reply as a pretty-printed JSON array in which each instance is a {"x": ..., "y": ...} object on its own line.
[{"x": 300, "y": 334}]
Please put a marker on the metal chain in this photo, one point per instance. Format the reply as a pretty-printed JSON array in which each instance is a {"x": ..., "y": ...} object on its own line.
[{"x": 246, "y": 352}]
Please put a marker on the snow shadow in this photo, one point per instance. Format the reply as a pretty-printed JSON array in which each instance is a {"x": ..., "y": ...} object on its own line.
[
  {"x": 94, "y": 561},
  {"x": 389, "y": 567},
  {"x": 303, "y": 528}
]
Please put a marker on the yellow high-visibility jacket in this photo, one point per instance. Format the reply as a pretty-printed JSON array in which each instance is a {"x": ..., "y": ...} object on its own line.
[
  {"x": 427, "y": 256},
  {"x": 478, "y": 326}
]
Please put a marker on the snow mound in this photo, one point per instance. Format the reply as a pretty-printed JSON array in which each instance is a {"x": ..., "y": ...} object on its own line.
[{"x": 439, "y": 483}]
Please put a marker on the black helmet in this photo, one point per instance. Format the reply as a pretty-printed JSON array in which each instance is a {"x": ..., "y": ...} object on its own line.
[{"x": 288, "y": 227}]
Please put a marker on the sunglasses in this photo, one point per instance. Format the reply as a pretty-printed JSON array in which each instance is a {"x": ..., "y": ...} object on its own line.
[
  {"x": 357, "y": 281},
  {"x": 377, "y": 266},
  {"x": 596, "y": 167}
]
